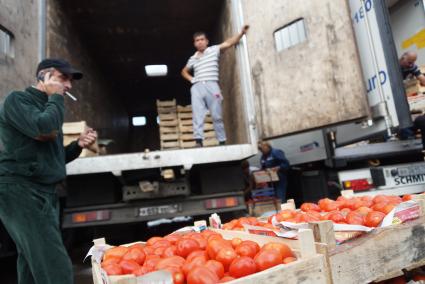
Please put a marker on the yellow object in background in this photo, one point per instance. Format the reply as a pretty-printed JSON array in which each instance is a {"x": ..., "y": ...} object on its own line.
[{"x": 418, "y": 39}]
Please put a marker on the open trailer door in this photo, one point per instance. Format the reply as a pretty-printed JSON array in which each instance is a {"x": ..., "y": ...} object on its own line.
[{"x": 304, "y": 66}]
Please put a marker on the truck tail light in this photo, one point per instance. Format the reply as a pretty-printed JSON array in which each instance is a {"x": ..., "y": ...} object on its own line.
[
  {"x": 358, "y": 184},
  {"x": 91, "y": 216},
  {"x": 221, "y": 203}
]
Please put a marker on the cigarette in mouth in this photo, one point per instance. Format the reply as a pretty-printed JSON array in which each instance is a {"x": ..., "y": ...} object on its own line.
[{"x": 71, "y": 96}]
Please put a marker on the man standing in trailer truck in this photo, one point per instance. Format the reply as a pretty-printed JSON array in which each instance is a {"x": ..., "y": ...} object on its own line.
[
  {"x": 205, "y": 91},
  {"x": 32, "y": 163}
]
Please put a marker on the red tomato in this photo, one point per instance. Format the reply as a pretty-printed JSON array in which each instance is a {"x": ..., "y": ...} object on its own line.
[
  {"x": 309, "y": 217},
  {"x": 236, "y": 242},
  {"x": 379, "y": 206},
  {"x": 407, "y": 197},
  {"x": 388, "y": 208},
  {"x": 139, "y": 246},
  {"x": 310, "y": 207},
  {"x": 246, "y": 250},
  {"x": 148, "y": 250},
  {"x": 201, "y": 241},
  {"x": 186, "y": 246},
  {"x": 173, "y": 238},
  {"x": 284, "y": 250},
  {"x": 153, "y": 240},
  {"x": 374, "y": 218},
  {"x": 345, "y": 211},
  {"x": 159, "y": 250},
  {"x": 161, "y": 243},
  {"x": 216, "y": 267},
  {"x": 323, "y": 203},
  {"x": 226, "y": 279},
  {"x": 226, "y": 256},
  {"x": 113, "y": 269},
  {"x": 117, "y": 252},
  {"x": 267, "y": 258},
  {"x": 172, "y": 261},
  {"x": 215, "y": 245},
  {"x": 289, "y": 259},
  {"x": 135, "y": 254},
  {"x": 170, "y": 251},
  {"x": 195, "y": 262},
  {"x": 336, "y": 217},
  {"x": 110, "y": 260},
  {"x": 202, "y": 275},
  {"x": 380, "y": 199},
  {"x": 177, "y": 274},
  {"x": 151, "y": 260},
  {"x": 196, "y": 253},
  {"x": 128, "y": 266},
  {"x": 207, "y": 233},
  {"x": 285, "y": 215},
  {"x": 364, "y": 210},
  {"x": 355, "y": 218},
  {"x": 242, "y": 266}
]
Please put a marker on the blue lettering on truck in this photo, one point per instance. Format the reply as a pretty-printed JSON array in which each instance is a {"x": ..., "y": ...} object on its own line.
[
  {"x": 409, "y": 179},
  {"x": 360, "y": 14},
  {"x": 372, "y": 83}
]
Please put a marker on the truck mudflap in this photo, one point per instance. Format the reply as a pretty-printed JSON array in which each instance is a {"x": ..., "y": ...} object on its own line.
[
  {"x": 144, "y": 211},
  {"x": 394, "y": 180}
]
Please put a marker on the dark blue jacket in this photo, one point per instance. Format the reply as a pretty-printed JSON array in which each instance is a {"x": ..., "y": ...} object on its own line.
[{"x": 276, "y": 158}]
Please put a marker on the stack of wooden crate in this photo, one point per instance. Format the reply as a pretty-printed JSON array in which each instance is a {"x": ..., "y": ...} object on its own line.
[
  {"x": 185, "y": 123},
  {"x": 168, "y": 124},
  {"x": 72, "y": 131},
  {"x": 413, "y": 87}
]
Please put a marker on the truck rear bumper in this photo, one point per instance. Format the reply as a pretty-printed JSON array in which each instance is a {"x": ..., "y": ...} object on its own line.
[{"x": 143, "y": 211}]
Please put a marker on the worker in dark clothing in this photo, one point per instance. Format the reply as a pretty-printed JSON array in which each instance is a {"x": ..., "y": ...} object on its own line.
[
  {"x": 32, "y": 163},
  {"x": 410, "y": 69},
  {"x": 275, "y": 159}
]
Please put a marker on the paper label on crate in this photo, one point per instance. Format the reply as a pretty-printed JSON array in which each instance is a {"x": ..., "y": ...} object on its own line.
[
  {"x": 97, "y": 251},
  {"x": 256, "y": 230},
  {"x": 403, "y": 212}
]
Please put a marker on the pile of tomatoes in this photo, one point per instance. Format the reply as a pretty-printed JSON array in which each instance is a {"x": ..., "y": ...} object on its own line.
[
  {"x": 196, "y": 258},
  {"x": 366, "y": 211}
]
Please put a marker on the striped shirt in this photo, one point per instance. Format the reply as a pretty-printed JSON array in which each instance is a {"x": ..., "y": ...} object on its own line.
[
  {"x": 205, "y": 66},
  {"x": 414, "y": 71}
]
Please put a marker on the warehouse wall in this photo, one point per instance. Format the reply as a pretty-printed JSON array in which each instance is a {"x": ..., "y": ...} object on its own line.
[
  {"x": 312, "y": 84},
  {"x": 21, "y": 19},
  {"x": 230, "y": 83},
  {"x": 97, "y": 103}
]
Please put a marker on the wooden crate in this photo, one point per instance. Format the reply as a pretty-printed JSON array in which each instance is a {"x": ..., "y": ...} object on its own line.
[
  {"x": 309, "y": 268},
  {"x": 165, "y": 104},
  {"x": 376, "y": 256},
  {"x": 72, "y": 131}
]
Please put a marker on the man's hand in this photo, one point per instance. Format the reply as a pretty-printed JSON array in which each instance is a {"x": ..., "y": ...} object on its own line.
[
  {"x": 51, "y": 86},
  {"x": 87, "y": 138},
  {"x": 245, "y": 29},
  {"x": 233, "y": 40}
]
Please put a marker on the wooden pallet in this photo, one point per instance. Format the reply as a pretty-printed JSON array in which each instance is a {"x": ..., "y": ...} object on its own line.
[{"x": 168, "y": 124}]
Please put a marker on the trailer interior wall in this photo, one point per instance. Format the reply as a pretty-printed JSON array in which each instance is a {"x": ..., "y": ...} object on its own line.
[
  {"x": 315, "y": 83},
  {"x": 97, "y": 103},
  {"x": 21, "y": 19},
  {"x": 408, "y": 26}
]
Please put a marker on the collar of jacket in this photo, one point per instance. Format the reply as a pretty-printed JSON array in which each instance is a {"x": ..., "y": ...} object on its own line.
[{"x": 41, "y": 96}]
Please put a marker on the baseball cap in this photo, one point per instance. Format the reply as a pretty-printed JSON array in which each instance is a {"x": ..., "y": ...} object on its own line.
[{"x": 61, "y": 65}]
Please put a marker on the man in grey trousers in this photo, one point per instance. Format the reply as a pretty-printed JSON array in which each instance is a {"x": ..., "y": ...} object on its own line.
[{"x": 205, "y": 91}]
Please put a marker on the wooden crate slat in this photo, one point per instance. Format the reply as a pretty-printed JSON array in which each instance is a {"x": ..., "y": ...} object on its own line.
[
  {"x": 182, "y": 109},
  {"x": 165, "y": 137},
  {"x": 168, "y": 123},
  {"x": 167, "y": 116},
  {"x": 171, "y": 103}
]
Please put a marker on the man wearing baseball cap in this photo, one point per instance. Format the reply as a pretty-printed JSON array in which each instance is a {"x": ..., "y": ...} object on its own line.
[{"x": 32, "y": 163}]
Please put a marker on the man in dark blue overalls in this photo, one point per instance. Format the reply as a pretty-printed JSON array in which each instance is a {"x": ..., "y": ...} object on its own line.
[{"x": 275, "y": 159}]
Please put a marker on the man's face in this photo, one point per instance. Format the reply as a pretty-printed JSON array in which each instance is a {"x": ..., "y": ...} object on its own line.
[
  {"x": 264, "y": 148},
  {"x": 408, "y": 61},
  {"x": 65, "y": 80},
  {"x": 200, "y": 43}
]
